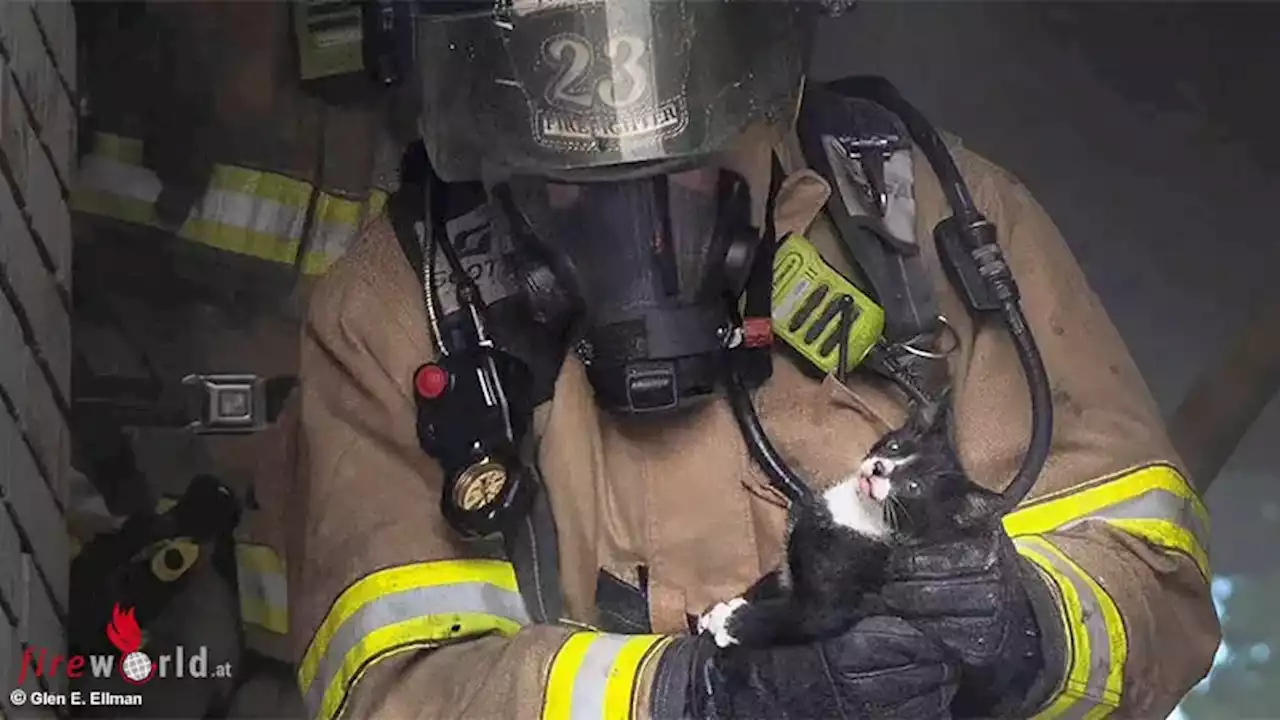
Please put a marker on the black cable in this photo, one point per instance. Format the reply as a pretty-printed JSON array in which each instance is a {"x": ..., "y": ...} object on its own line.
[
  {"x": 451, "y": 256},
  {"x": 1041, "y": 408},
  {"x": 466, "y": 291},
  {"x": 762, "y": 451},
  {"x": 844, "y": 331},
  {"x": 433, "y": 291}
]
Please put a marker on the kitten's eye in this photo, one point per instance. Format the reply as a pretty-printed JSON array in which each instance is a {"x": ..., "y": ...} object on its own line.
[
  {"x": 893, "y": 446},
  {"x": 913, "y": 487}
]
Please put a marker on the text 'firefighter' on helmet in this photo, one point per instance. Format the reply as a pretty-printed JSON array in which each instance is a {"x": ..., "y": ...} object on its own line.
[{"x": 550, "y": 87}]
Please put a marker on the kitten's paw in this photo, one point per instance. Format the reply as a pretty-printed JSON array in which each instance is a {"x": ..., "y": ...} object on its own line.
[{"x": 716, "y": 621}]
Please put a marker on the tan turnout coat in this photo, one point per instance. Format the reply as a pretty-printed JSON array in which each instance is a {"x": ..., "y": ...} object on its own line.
[{"x": 684, "y": 500}]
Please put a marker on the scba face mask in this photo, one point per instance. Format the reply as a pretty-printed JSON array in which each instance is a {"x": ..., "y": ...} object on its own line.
[{"x": 649, "y": 267}]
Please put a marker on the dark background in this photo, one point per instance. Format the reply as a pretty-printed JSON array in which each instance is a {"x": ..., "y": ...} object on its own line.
[{"x": 1148, "y": 130}]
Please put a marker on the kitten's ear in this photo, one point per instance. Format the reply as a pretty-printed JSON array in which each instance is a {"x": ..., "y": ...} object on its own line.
[
  {"x": 978, "y": 508},
  {"x": 929, "y": 417}
]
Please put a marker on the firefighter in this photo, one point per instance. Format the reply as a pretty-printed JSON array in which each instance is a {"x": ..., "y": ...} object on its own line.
[{"x": 606, "y": 174}]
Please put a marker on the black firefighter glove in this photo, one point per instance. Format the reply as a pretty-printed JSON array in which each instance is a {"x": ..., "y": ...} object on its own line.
[
  {"x": 992, "y": 612},
  {"x": 882, "y": 667}
]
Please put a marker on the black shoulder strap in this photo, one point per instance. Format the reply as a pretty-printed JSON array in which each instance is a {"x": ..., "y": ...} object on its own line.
[
  {"x": 532, "y": 549},
  {"x": 756, "y": 359},
  {"x": 860, "y": 134},
  {"x": 408, "y": 204}
]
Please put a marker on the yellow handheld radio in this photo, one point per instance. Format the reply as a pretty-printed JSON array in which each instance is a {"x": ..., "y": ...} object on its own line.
[{"x": 808, "y": 298}]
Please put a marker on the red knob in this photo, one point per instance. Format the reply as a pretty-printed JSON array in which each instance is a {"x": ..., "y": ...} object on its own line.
[
  {"x": 757, "y": 332},
  {"x": 431, "y": 381}
]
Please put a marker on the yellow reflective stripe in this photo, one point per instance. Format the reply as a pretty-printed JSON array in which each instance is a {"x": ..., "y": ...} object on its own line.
[
  {"x": 1112, "y": 621},
  {"x": 1098, "y": 647},
  {"x": 1168, "y": 535},
  {"x": 260, "y": 577},
  {"x": 337, "y": 226},
  {"x": 1077, "y": 650},
  {"x": 593, "y": 675},
  {"x": 377, "y": 202},
  {"x": 264, "y": 246},
  {"x": 1153, "y": 502},
  {"x": 418, "y": 633},
  {"x": 393, "y": 580},
  {"x": 340, "y": 211},
  {"x": 130, "y": 210},
  {"x": 411, "y": 606},
  {"x": 269, "y": 617},
  {"x": 118, "y": 147},
  {"x": 245, "y": 211},
  {"x": 262, "y": 185}
]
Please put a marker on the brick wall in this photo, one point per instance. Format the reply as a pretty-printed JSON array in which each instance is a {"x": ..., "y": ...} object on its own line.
[{"x": 37, "y": 155}]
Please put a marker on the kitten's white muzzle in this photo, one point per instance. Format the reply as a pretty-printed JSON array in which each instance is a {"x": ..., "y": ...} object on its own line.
[
  {"x": 856, "y": 508},
  {"x": 873, "y": 477}
]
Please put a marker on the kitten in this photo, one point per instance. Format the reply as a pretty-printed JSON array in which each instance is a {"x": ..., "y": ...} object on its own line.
[{"x": 910, "y": 488}]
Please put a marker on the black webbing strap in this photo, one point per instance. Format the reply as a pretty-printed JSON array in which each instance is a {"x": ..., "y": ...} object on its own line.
[
  {"x": 408, "y": 205},
  {"x": 531, "y": 548},
  {"x": 756, "y": 358}
]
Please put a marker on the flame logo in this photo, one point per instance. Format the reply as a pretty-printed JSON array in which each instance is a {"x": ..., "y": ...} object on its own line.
[{"x": 123, "y": 631}]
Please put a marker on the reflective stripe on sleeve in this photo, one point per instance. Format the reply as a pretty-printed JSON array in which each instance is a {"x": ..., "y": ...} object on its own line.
[
  {"x": 245, "y": 211},
  {"x": 594, "y": 676},
  {"x": 1097, "y": 645},
  {"x": 260, "y": 578},
  {"x": 400, "y": 609},
  {"x": 1154, "y": 503}
]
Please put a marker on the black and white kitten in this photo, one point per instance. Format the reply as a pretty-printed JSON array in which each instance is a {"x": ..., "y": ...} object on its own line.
[{"x": 909, "y": 488}]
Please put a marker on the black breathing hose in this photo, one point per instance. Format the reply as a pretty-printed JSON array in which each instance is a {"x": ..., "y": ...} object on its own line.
[
  {"x": 1041, "y": 408},
  {"x": 780, "y": 475}
]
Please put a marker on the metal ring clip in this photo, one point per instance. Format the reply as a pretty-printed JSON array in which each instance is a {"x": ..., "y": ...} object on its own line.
[{"x": 948, "y": 330}]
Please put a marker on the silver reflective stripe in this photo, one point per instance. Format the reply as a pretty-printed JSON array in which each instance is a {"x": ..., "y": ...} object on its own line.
[
  {"x": 593, "y": 675},
  {"x": 265, "y": 586},
  {"x": 270, "y": 587},
  {"x": 1094, "y": 624},
  {"x": 275, "y": 590},
  {"x": 471, "y": 597},
  {"x": 1158, "y": 505},
  {"x": 1079, "y": 710},
  {"x": 245, "y": 211},
  {"x": 255, "y": 214},
  {"x": 332, "y": 240},
  {"x": 110, "y": 175}
]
